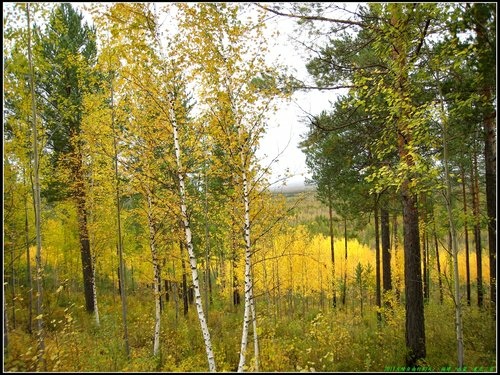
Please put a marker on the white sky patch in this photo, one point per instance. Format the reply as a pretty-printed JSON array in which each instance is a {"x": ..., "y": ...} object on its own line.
[{"x": 287, "y": 126}]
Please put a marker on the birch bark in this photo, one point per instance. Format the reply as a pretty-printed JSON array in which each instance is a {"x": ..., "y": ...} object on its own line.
[{"x": 192, "y": 258}]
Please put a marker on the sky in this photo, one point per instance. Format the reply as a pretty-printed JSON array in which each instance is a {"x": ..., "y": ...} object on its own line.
[
  {"x": 285, "y": 131},
  {"x": 287, "y": 126}
]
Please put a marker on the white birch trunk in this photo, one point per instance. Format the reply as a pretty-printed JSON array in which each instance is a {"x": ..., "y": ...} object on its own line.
[
  {"x": 187, "y": 227},
  {"x": 92, "y": 240},
  {"x": 192, "y": 258},
  {"x": 156, "y": 278},
  {"x": 96, "y": 310},
  {"x": 248, "y": 276}
]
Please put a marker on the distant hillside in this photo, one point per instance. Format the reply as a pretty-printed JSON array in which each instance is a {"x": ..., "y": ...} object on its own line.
[
  {"x": 293, "y": 188},
  {"x": 307, "y": 209}
]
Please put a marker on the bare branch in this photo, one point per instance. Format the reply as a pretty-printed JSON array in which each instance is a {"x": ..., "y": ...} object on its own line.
[{"x": 313, "y": 18}]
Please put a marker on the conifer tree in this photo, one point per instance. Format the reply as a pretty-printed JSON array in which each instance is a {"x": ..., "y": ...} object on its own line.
[{"x": 68, "y": 51}]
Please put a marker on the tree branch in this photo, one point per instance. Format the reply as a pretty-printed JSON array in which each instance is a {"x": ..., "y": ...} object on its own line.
[{"x": 312, "y": 18}]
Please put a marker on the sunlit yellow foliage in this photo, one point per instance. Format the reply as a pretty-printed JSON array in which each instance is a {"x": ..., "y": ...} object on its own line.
[{"x": 294, "y": 261}]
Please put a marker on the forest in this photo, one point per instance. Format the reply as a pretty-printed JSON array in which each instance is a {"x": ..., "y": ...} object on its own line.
[{"x": 143, "y": 233}]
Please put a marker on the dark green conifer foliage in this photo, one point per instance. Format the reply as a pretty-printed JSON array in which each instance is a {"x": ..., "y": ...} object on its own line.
[{"x": 67, "y": 53}]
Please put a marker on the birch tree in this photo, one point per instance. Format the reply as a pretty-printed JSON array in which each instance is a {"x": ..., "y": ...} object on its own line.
[
  {"x": 176, "y": 120},
  {"x": 169, "y": 115},
  {"x": 236, "y": 93}
]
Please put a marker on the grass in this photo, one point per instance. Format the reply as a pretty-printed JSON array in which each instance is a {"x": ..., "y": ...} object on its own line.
[{"x": 330, "y": 340}]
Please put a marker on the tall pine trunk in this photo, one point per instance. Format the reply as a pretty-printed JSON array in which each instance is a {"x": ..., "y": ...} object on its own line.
[
  {"x": 395, "y": 245},
  {"x": 490, "y": 165},
  {"x": 377, "y": 261},
  {"x": 466, "y": 239},
  {"x": 344, "y": 284},
  {"x": 415, "y": 327},
  {"x": 332, "y": 249},
  {"x": 486, "y": 88},
  {"x": 425, "y": 267},
  {"x": 386, "y": 250},
  {"x": 83, "y": 233},
  {"x": 477, "y": 230},
  {"x": 438, "y": 265},
  {"x": 425, "y": 249}
]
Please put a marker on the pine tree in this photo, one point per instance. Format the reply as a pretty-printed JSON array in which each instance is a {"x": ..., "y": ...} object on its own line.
[{"x": 68, "y": 51}]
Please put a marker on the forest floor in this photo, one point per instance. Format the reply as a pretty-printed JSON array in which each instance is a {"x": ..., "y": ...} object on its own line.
[{"x": 295, "y": 335}]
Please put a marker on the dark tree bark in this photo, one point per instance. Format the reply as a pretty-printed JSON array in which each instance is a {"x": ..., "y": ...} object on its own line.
[
  {"x": 191, "y": 294},
  {"x": 490, "y": 165},
  {"x": 427, "y": 262},
  {"x": 477, "y": 231},
  {"x": 210, "y": 291},
  {"x": 332, "y": 249},
  {"x": 415, "y": 328},
  {"x": 386, "y": 254},
  {"x": 86, "y": 256},
  {"x": 425, "y": 251},
  {"x": 466, "y": 233},
  {"x": 234, "y": 265},
  {"x": 486, "y": 59},
  {"x": 395, "y": 247},
  {"x": 438, "y": 265},
  {"x": 425, "y": 247},
  {"x": 377, "y": 261},
  {"x": 184, "y": 282},
  {"x": 167, "y": 290},
  {"x": 344, "y": 285},
  {"x": 63, "y": 116},
  {"x": 158, "y": 276},
  {"x": 119, "y": 280}
]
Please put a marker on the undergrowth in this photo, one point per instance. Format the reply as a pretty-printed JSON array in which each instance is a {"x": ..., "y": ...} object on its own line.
[{"x": 333, "y": 340}]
